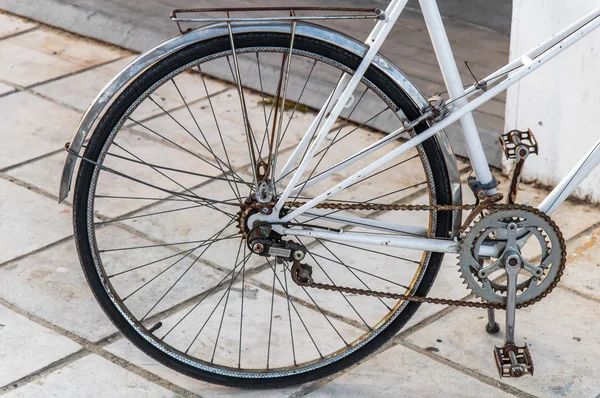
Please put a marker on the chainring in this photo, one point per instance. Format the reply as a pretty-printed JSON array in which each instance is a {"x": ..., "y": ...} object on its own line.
[{"x": 537, "y": 278}]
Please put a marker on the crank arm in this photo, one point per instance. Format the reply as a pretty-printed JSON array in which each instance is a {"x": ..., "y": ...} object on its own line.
[{"x": 511, "y": 360}]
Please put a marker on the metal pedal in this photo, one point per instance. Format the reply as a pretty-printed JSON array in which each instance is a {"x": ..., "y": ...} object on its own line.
[
  {"x": 518, "y": 144},
  {"x": 513, "y": 361}
]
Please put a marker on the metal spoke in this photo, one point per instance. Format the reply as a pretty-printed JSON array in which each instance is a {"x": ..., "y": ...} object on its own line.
[
  {"x": 172, "y": 244},
  {"x": 205, "y": 296},
  {"x": 288, "y": 69},
  {"x": 238, "y": 81},
  {"x": 333, "y": 283},
  {"x": 219, "y": 161},
  {"x": 210, "y": 315},
  {"x": 352, "y": 272},
  {"x": 334, "y": 142},
  {"x": 287, "y": 295},
  {"x": 226, "y": 302},
  {"x": 242, "y": 311},
  {"x": 271, "y": 317},
  {"x": 360, "y": 270},
  {"x": 147, "y": 215},
  {"x": 208, "y": 147},
  {"x": 267, "y": 120},
  {"x": 154, "y": 165},
  {"x": 212, "y": 109},
  {"x": 320, "y": 310},
  {"x": 151, "y": 263},
  {"x": 231, "y": 171},
  {"x": 296, "y": 311},
  {"x": 167, "y": 177},
  {"x": 324, "y": 173},
  {"x": 287, "y": 126},
  {"x": 303, "y": 185},
  {"x": 371, "y": 251},
  {"x": 138, "y": 198},
  {"x": 187, "y": 270}
]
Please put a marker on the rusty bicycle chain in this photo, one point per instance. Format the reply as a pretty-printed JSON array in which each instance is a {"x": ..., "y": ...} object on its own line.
[{"x": 434, "y": 300}]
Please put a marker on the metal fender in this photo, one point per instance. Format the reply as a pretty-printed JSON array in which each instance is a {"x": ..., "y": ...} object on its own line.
[{"x": 131, "y": 72}]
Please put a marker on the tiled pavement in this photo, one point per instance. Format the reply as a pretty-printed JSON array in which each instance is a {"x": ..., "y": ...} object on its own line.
[{"x": 55, "y": 340}]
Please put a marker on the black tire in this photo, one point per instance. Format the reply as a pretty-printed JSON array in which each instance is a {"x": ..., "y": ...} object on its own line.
[{"x": 84, "y": 186}]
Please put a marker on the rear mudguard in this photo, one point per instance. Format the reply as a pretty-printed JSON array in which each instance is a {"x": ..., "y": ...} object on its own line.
[{"x": 146, "y": 60}]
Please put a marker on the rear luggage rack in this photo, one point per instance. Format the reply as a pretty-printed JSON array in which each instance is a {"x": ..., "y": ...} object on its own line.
[{"x": 349, "y": 13}]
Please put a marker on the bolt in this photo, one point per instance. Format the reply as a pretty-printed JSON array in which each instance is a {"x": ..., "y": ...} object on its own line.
[
  {"x": 258, "y": 248},
  {"x": 266, "y": 210},
  {"x": 298, "y": 255},
  {"x": 264, "y": 230},
  {"x": 513, "y": 261}
]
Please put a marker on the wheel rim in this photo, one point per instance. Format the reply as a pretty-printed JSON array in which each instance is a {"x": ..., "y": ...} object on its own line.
[{"x": 293, "y": 305}]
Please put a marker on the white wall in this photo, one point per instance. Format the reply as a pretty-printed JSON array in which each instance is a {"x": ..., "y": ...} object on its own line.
[{"x": 560, "y": 102}]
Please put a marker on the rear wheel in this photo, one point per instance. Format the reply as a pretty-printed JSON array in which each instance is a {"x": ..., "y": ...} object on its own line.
[{"x": 160, "y": 223}]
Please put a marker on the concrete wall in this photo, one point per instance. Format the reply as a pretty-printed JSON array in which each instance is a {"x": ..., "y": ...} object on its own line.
[{"x": 560, "y": 102}]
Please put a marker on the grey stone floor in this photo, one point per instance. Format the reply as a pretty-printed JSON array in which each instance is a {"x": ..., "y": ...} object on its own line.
[{"x": 56, "y": 342}]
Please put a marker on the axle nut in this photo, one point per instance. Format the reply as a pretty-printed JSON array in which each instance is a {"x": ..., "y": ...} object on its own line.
[
  {"x": 298, "y": 255},
  {"x": 258, "y": 248}
]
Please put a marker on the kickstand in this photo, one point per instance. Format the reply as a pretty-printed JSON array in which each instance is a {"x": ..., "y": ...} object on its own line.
[{"x": 492, "y": 326}]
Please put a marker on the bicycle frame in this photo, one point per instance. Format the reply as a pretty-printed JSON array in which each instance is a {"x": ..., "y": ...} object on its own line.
[{"x": 460, "y": 109}]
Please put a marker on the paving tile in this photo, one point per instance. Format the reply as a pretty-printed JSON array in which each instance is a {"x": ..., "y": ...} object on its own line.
[
  {"x": 29, "y": 221},
  {"x": 31, "y": 136},
  {"x": 9, "y": 25},
  {"x": 88, "y": 83},
  {"x": 51, "y": 285},
  {"x": 561, "y": 333},
  {"x": 583, "y": 265},
  {"x": 91, "y": 376},
  {"x": 45, "y": 54},
  {"x": 401, "y": 372},
  {"x": 27, "y": 346},
  {"x": 5, "y": 88},
  {"x": 44, "y": 173},
  {"x": 129, "y": 352},
  {"x": 91, "y": 82}
]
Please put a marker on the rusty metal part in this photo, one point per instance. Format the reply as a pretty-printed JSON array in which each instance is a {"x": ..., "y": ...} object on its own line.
[
  {"x": 514, "y": 182},
  {"x": 514, "y": 142},
  {"x": 459, "y": 303},
  {"x": 483, "y": 203},
  {"x": 513, "y": 361},
  {"x": 517, "y": 145},
  {"x": 302, "y": 274},
  {"x": 438, "y": 108}
]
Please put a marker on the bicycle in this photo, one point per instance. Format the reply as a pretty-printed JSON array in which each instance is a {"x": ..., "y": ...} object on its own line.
[{"x": 227, "y": 240}]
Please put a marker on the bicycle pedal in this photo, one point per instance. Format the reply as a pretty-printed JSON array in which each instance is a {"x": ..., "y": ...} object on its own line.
[
  {"x": 518, "y": 144},
  {"x": 513, "y": 361}
]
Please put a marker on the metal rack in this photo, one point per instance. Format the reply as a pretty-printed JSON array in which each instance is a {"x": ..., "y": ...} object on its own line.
[{"x": 183, "y": 15}]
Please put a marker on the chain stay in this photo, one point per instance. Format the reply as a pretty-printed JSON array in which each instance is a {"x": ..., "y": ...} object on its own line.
[{"x": 434, "y": 300}]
